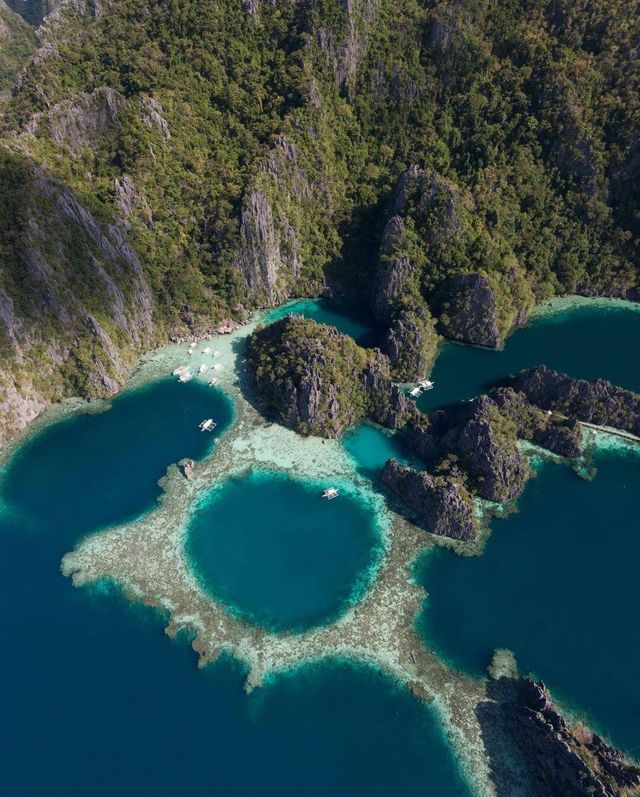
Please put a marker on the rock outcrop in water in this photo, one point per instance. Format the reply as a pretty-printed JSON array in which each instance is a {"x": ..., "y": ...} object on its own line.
[
  {"x": 477, "y": 440},
  {"x": 556, "y": 434},
  {"x": 569, "y": 761},
  {"x": 598, "y": 402},
  {"x": 439, "y": 504},
  {"x": 318, "y": 381}
]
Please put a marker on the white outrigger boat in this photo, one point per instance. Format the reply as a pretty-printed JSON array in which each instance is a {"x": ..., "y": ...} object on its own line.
[
  {"x": 217, "y": 367},
  {"x": 207, "y": 350},
  {"x": 330, "y": 493},
  {"x": 183, "y": 374},
  {"x": 207, "y": 425},
  {"x": 425, "y": 384},
  {"x": 216, "y": 354},
  {"x": 202, "y": 368},
  {"x": 213, "y": 382}
]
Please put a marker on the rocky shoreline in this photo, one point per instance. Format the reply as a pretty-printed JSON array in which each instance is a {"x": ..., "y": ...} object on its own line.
[
  {"x": 314, "y": 380},
  {"x": 567, "y": 760}
]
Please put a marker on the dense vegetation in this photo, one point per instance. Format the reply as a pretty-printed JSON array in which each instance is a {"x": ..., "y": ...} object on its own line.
[
  {"x": 17, "y": 43},
  {"x": 314, "y": 380},
  {"x": 252, "y": 149}
]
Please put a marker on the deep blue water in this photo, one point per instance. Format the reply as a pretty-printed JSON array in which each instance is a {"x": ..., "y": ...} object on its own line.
[
  {"x": 278, "y": 553},
  {"x": 349, "y": 316},
  {"x": 558, "y": 584},
  {"x": 587, "y": 341},
  {"x": 94, "y": 469},
  {"x": 96, "y": 701}
]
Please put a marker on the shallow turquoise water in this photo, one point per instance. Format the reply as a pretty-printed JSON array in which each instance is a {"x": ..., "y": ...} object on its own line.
[
  {"x": 349, "y": 316},
  {"x": 94, "y": 469},
  {"x": 96, "y": 701},
  {"x": 278, "y": 554},
  {"x": 558, "y": 584},
  {"x": 587, "y": 342},
  {"x": 371, "y": 446}
]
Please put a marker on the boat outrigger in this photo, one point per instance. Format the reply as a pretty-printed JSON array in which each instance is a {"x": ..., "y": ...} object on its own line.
[
  {"x": 207, "y": 425},
  {"x": 425, "y": 384},
  {"x": 330, "y": 493},
  {"x": 183, "y": 374}
]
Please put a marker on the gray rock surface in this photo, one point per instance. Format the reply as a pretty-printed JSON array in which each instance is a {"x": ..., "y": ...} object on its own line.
[
  {"x": 599, "y": 402},
  {"x": 437, "y": 503}
]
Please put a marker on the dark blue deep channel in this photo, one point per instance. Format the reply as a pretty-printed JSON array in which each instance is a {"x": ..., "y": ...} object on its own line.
[
  {"x": 96, "y": 701},
  {"x": 558, "y": 585}
]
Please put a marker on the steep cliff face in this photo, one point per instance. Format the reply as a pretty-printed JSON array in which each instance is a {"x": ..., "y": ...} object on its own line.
[
  {"x": 79, "y": 331},
  {"x": 317, "y": 381},
  {"x": 17, "y": 43},
  {"x": 411, "y": 343},
  {"x": 568, "y": 761},
  {"x": 432, "y": 233},
  {"x": 476, "y": 441},
  {"x": 598, "y": 402},
  {"x": 438, "y": 504}
]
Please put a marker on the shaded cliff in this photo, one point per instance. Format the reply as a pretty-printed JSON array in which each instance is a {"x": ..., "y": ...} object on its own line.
[
  {"x": 598, "y": 402},
  {"x": 567, "y": 760},
  {"x": 17, "y": 43},
  {"x": 477, "y": 441},
  {"x": 438, "y": 504}
]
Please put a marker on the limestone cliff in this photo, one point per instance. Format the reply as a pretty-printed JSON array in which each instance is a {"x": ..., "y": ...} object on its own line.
[
  {"x": 437, "y": 503},
  {"x": 599, "y": 402},
  {"x": 568, "y": 760},
  {"x": 80, "y": 331},
  {"x": 317, "y": 381}
]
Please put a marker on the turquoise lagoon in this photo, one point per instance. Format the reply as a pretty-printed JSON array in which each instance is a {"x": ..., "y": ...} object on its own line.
[
  {"x": 98, "y": 468},
  {"x": 275, "y": 552},
  {"x": 350, "y": 316},
  {"x": 96, "y": 701},
  {"x": 587, "y": 340},
  {"x": 369, "y": 447}
]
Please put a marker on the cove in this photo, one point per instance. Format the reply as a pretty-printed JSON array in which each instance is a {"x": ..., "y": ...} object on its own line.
[
  {"x": 350, "y": 316},
  {"x": 588, "y": 340},
  {"x": 94, "y": 469},
  {"x": 273, "y": 551},
  {"x": 369, "y": 447},
  {"x": 557, "y": 584}
]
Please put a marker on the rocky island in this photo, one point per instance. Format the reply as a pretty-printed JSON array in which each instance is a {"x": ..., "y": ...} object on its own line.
[{"x": 318, "y": 381}]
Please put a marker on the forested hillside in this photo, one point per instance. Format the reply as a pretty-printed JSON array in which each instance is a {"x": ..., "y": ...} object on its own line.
[
  {"x": 17, "y": 43},
  {"x": 166, "y": 165}
]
